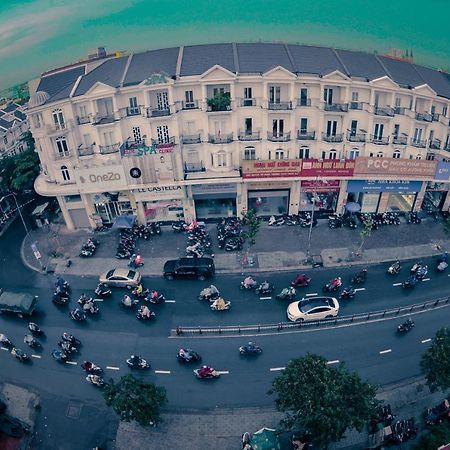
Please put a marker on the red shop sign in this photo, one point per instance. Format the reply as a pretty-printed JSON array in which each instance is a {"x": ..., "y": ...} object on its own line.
[
  {"x": 320, "y": 185},
  {"x": 327, "y": 168}
]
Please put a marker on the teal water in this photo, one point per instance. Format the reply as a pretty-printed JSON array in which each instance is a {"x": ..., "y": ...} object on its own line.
[{"x": 37, "y": 35}]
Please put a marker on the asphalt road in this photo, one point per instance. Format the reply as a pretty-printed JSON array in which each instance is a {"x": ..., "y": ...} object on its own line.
[{"x": 109, "y": 338}]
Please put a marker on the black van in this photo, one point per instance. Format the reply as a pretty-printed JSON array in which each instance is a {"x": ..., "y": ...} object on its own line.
[{"x": 200, "y": 268}]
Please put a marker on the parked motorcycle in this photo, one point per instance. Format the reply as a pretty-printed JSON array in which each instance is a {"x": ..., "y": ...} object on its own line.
[
  {"x": 234, "y": 244},
  {"x": 250, "y": 349},
  {"x": 406, "y": 326},
  {"x": 394, "y": 269},
  {"x": 333, "y": 285},
  {"x": 274, "y": 221},
  {"x": 287, "y": 293}
]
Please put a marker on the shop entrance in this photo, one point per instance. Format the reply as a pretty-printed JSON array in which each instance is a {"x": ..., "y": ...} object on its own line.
[
  {"x": 110, "y": 210},
  {"x": 267, "y": 203},
  {"x": 212, "y": 207}
]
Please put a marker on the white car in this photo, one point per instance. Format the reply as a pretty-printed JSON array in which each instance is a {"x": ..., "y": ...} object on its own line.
[
  {"x": 121, "y": 278},
  {"x": 314, "y": 308}
]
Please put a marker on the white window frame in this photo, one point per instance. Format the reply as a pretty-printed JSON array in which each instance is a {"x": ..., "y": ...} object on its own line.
[
  {"x": 303, "y": 153},
  {"x": 354, "y": 153},
  {"x": 249, "y": 153},
  {"x": 397, "y": 154},
  {"x": 62, "y": 146},
  {"x": 332, "y": 154},
  {"x": 279, "y": 153},
  {"x": 65, "y": 173}
]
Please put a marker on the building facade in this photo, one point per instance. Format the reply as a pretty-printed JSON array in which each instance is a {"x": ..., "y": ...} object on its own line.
[
  {"x": 211, "y": 130},
  {"x": 13, "y": 124}
]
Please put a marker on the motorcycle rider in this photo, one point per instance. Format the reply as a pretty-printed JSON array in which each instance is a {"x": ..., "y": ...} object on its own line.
[
  {"x": 249, "y": 282},
  {"x": 89, "y": 306},
  {"x": 127, "y": 300},
  {"x": 28, "y": 339},
  {"x": 205, "y": 371},
  {"x": 300, "y": 279},
  {"x": 336, "y": 282},
  {"x": 265, "y": 286},
  {"x": 287, "y": 292},
  {"x": 154, "y": 295},
  {"x": 60, "y": 282},
  {"x": 139, "y": 289},
  {"x": 219, "y": 304},
  {"x": 210, "y": 291},
  {"x": 145, "y": 312},
  {"x": 4, "y": 339},
  {"x": 87, "y": 366},
  {"x": 135, "y": 360}
]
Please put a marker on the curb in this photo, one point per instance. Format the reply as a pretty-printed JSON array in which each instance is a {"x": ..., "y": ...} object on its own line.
[{"x": 25, "y": 261}]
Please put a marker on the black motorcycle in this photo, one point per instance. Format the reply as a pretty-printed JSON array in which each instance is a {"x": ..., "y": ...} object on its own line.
[
  {"x": 250, "y": 349},
  {"x": 347, "y": 293},
  {"x": 359, "y": 278},
  {"x": 78, "y": 315},
  {"x": 35, "y": 329},
  {"x": 60, "y": 298},
  {"x": 264, "y": 288},
  {"x": 136, "y": 362},
  {"x": 71, "y": 338},
  {"x": 102, "y": 290},
  {"x": 188, "y": 355},
  {"x": 406, "y": 326}
]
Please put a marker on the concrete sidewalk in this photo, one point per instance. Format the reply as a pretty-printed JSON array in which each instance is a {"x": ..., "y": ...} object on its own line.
[{"x": 276, "y": 249}]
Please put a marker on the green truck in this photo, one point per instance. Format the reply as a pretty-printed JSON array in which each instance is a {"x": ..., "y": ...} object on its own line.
[{"x": 17, "y": 302}]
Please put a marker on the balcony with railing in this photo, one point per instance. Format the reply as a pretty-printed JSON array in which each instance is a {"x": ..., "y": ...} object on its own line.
[
  {"x": 447, "y": 147},
  {"x": 338, "y": 137},
  {"x": 58, "y": 127},
  {"x": 191, "y": 138},
  {"x": 400, "y": 140},
  {"x": 189, "y": 105},
  {"x": 399, "y": 110},
  {"x": 384, "y": 111},
  {"x": 224, "y": 138},
  {"x": 356, "y": 105},
  {"x": 336, "y": 107},
  {"x": 424, "y": 117},
  {"x": 108, "y": 149},
  {"x": 379, "y": 140},
  {"x": 247, "y": 102},
  {"x": 85, "y": 150},
  {"x": 434, "y": 144},
  {"x": 157, "y": 112},
  {"x": 356, "y": 137},
  {"x": 103, "y": 119},
  {"x": 303, "y": 135},
  {"x": 249, "y": 135},
  {"x": 419, "y": 143},
  {"x": 279, "y": 106},
  {"x": 435, "y": 117},
  {"x": 133, "y": 111},
  {"x": 82, "y": 120},
  {"x": 194, "y": 167},
  {"x": 62, "y": 155},
  {"x": 278, "y": 137},
  {"x": 166, "y": 141},
  {"x": 303, "y": 102}
]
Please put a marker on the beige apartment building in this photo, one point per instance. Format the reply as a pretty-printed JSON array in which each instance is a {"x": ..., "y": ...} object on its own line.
[{"x": 208, "y": 131}]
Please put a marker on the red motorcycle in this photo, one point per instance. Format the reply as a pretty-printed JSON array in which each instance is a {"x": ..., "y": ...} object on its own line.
[{"x": 301, "y": 280}]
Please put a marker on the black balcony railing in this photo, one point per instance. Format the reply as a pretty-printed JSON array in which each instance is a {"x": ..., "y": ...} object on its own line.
[
  {"x": 420, "y": 143},
  {"x": 336, "y": 107},
  {"x": 356, "y": 137},
  {"x": 338, "y": 137},
  {"x": 194, "y": 167},
  {"x": 81, "y": 120},
  {"x": 384, "y": 111},
  {"x": 248, "y": 102},
  {"x": 156, "y": 112},
  {"x": 304, "y": 102},
  {"x": 190, "y": 105},
  {"x": 400, "y": 140},
  {"x": 434, "y": 144},
  {"x": 86, "y": 151},
  {"x": 399, "y": 110},
  {"x": 108, "y": 149},
  {"x": 280, "y": 105},
  {"x": 191, "y": 138},
  {"x": 435, "y": 117},
  {"x": 424, "y": 117},
  {"x": 379, "y": 140},
  {"x": 249, "y": 135},
  {"x": 224, "y": 138},
  {"x": 278, "y": 137},
  {"x": 355, "y": 105},
  {"x": 133, "y": 110},
  {"x": 168, "y": 140},
  {"x": 303, "y": 135},
  {"x": 102, "y": 119}
]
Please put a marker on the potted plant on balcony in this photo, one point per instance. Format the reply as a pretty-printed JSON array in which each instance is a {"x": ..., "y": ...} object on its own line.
[{"x": 220, "y": 102}]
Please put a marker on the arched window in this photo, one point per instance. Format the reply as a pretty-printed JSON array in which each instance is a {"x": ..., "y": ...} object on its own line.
[
  {"x": 65, "y": 173},
  {"x": 221, "y": 159},
  {"x": 396, "y": 154},
  {"x": 249, "y": 153},
  {"x": 279, "y": 153},
  {"x": 58, "y": 119},
  {"x": 333, "y": 154},
  {"x": 418, "y": 156},
  {"x": 303, "y": 153},
  {"x": 379, "y": 154},
  {"x": 354, "y": 153}
]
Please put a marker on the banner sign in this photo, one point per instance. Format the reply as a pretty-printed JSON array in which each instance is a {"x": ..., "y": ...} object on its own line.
[
  {"x": 100, "y": 178},
  {"x": 320, "y": 185},
  {"x": 142, "y": 149},
  {"x": 152, "y": 193},
  {"x": 327, "y": 168},
  {"x": 271, "y": 169},
  {"x": 383, "y": 186},
  {"x": 395, "y": 167},
  {"x": 442, "y": 171}
]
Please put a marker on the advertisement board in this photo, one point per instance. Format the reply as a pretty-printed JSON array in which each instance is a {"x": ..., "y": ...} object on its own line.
[
  {"x": 151, "y": 193},
  {"x": 395, "y": 167},
  {"x": 271, "y": 169},
  {"x": 327, "y": 167},
  {"x": 100, "y": 178},
  {"x": 383, "y": 186},
  {"x": 442, "y": 171},
  {"x": 320, "y": 185}
]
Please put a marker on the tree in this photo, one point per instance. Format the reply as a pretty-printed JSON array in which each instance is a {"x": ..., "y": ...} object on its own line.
[
  {"x": 437, "y": 436},
  {"x": 251, "y": 228},
  {"x": 365, "y": 233},
  {"x": 26, "y": 170},
  {"x": 134, "y": 399},
  {"x": 323, "y": 400},
  {"x": 435, "y": 361}
]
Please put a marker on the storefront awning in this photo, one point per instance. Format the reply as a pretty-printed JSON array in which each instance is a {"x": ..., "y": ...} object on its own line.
[{"x": 124, "y": 221}]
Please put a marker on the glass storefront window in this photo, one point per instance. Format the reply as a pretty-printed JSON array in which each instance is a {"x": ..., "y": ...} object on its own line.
[
  {"x": 163, "y": 211},
  {"x": 324, "y": 201},
  {"x": 108, "y": 211},
  {"x": 369, "y": 202},
  {"x": 266, "y": 203},
  {"x": 401, "y": 202},
  {"x": 215, "y": 208}
]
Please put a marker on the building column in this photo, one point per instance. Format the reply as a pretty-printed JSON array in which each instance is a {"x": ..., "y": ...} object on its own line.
[
  {"x": 89, "y": 208},
  {"x": 342, "y": 197},
  {"x": 241, "y": 199},
  {"x": 383, "y": 202},
  {"x": 420, "y": 196},
  {"x": 65, "y": 212},
  {"x": 189, "y": 205},
  {"x": 294, "y": 198}
]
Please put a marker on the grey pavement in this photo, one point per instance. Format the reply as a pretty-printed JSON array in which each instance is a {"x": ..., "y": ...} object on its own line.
[{"x": 277, "y": 248}]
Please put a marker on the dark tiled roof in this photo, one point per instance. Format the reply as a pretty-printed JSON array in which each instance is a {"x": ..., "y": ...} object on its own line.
[
  {"x": 52, "y": 84},
  {"x": 259, "y": 58},
  {"x": 197, "y": 59},
  {"x": 20, "y": 115},
  {"x": 155, "y": 61},
  {"x": 11, "y": 107},
  {"x": 361, "y": 65},
  {"x": 5, "y": 124},
  {"x": 110, "y": 73},
  {"x": 315, "y": 60},
  {"x": 402, "y": 72},
  {"x": 438, "y": 81}
]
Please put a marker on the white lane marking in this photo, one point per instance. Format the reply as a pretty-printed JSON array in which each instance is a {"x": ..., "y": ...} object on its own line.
[
  {"x": 360, "y": 289},
  {"x": 276, "y": 369},
  {"x": 98, "y": 299},
  {"x": 171, "y": 301},
  {"x": 448, "y": 275},
  {"x": 426, "y": 279},
  {"x": 311, "y": 295},
  {"x": 222, "y": 372},
  {"x": 385, "y": 351},
  {"x": 265, "y": 298},
  {"x": 36, "y": 356},
  {"x": 397, "y": 284},
  {"x": 113, "y": 368},
  {"x": 74, "y": 363},
  {"x": 425, "y": 341},
  {"x": 166, "y": 372},
  {"x": 6, "y": 349},
  {"x": 336, "y": 361}
]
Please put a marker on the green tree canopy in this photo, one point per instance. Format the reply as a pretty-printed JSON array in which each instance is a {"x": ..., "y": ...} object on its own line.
[
  {"x": 251, "y": 226},
  {"x": 134, "y": 399},
  {"x": 435, "y": 361},
  {"x": 322, "y": 399},
  {"x": 437, "y": 436}
]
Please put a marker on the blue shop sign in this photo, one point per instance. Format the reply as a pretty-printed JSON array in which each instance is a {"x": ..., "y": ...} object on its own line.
[
  {"x": 442, "y": 171},
  {"x": 383, "y": 186}
]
